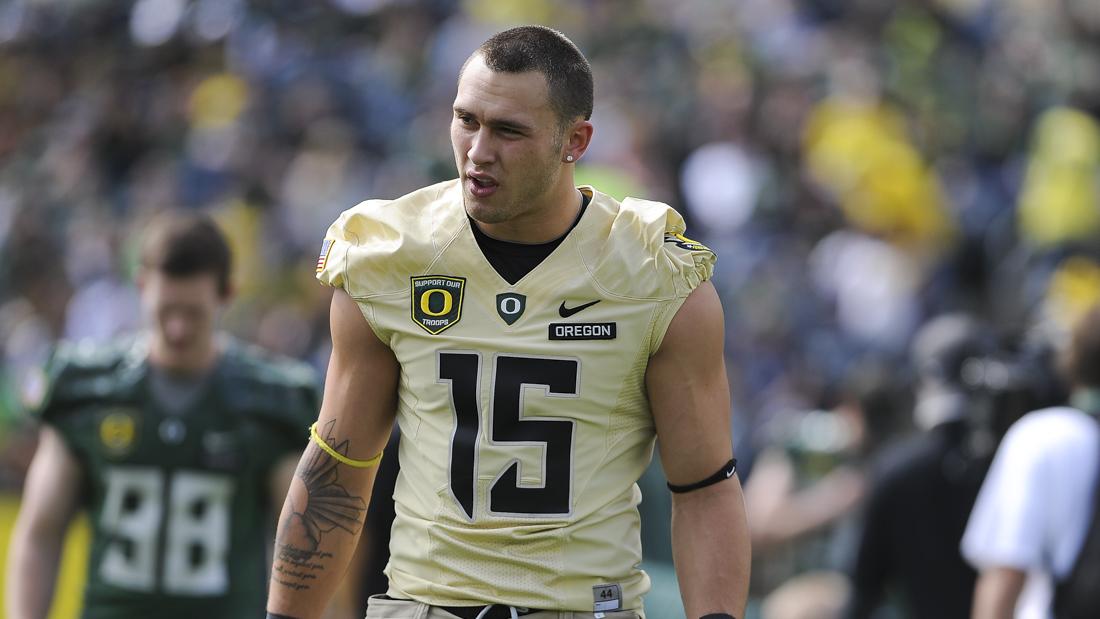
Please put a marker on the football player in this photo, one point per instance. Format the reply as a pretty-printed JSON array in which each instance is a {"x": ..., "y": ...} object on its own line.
[
  {"x": 531, "y": 338},
  {"x": 179, "y": 443}
]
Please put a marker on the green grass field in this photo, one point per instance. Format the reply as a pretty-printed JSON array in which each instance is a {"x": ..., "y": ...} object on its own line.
[{"x": 66, "y": 603}]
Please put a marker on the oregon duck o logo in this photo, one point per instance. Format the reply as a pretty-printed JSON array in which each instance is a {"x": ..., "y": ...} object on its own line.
[
  {"x": 118, "y": 431},
  {"x": 510, "y": 306}
]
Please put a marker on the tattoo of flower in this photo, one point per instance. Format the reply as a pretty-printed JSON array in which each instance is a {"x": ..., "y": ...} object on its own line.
[{"x": 328, "y": 507}]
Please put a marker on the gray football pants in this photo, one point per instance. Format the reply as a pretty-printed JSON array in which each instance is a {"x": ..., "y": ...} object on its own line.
[{"x": 381, "y": 608}]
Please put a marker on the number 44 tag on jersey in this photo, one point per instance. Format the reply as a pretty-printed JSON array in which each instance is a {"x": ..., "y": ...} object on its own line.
[{"x": 607, "y": 597}]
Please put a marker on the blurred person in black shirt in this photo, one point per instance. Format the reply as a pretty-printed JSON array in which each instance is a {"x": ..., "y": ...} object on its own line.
[{"x": 924, "y": 487}]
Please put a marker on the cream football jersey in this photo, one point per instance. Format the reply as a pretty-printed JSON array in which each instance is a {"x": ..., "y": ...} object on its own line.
[{"x": 522, "y": 407}]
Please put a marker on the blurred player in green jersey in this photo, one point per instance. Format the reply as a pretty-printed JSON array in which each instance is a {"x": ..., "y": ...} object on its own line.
[{"x": 179, "y": 442}]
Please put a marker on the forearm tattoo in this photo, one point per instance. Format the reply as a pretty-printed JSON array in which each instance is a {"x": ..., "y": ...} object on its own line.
[{"x": 329, "y": 507}]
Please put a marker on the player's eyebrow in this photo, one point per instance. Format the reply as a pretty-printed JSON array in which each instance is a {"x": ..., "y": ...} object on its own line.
[{"x": 497, "y": 123}]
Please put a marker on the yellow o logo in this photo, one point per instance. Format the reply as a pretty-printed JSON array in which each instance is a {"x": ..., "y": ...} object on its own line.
[
  {"x": 425, "y": 302},
  {"x": 117, "y": 431}
]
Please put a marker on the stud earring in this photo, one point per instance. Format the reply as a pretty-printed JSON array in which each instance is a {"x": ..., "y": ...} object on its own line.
[{"x": 569, "y": 158}]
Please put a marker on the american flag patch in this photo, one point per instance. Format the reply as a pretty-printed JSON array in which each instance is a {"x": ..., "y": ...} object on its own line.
[{"x": 323, "y": 258}]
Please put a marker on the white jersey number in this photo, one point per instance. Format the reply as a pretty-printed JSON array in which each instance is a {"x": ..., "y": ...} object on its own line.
[{"x": 193, "y": 510}]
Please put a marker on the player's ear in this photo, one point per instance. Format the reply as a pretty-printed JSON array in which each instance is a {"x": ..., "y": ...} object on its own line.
[
  {"x": 141, "y": 278},
  {"x": 577, "y": 138},
  {"x": 227, "y": 291}
]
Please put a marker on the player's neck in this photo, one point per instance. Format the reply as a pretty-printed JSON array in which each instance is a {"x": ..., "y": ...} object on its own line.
[
  {"x": 542, "y": 224},
  {"x": 195, "y": 360}
]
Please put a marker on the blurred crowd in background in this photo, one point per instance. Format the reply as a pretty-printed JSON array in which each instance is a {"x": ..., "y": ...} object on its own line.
[{"x": 859, "y": 167}]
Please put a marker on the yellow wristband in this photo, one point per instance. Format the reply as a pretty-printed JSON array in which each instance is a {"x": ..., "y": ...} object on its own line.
[{"x": 359, "y": 464}]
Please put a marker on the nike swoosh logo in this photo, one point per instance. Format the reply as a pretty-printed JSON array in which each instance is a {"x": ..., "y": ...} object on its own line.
[
  {"x": 566, "y": 312},
  {"x": 732, "y": 469}
]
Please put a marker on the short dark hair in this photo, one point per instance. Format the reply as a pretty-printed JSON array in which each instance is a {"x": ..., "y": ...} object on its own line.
[
  {"x": 1081, "y": 362},
  {"x": 538, "y": 48},
  {"x": 185, "y": 244}
]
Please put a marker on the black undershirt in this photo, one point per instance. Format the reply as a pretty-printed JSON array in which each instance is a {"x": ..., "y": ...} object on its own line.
[{"x": 514, "y": 260}]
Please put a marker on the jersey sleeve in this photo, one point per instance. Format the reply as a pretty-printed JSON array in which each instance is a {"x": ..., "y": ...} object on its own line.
[
  {"x": 76, "y": 374},
  {"x": 52, "y": 403},
  {"x": 303, "y": 400},
  {"x": 688, "y": 263},
  {"x": 347, "y": 232},
  {"x": 355, "y": 245},
  {"x": 373, "y": 247},
  {"x": 1008, "y": 520},
  {"x": 648, "y": 240},
  {"x": 56, "y": 404},
  {"x": 289, "y": 408},
  {"x": 638, "y": 250}
]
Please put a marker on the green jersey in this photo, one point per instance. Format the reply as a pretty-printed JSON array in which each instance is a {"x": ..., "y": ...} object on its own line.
[{"x": 178, "y": 497}]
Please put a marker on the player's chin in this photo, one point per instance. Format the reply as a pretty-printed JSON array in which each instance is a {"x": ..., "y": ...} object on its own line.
[{"x": 483, "y": 210}]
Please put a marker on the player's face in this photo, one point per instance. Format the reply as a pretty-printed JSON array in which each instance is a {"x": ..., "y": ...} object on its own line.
[
  {"x": 507, "y": 143},
  {"x": 182, "y": 313}
]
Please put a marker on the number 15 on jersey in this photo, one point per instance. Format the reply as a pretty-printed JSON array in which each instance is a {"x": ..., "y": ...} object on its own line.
[{"x": 512, "y": 377}]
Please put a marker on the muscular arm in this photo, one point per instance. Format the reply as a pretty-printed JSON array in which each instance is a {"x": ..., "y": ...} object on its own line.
[
  {"x": 996, "y": 593},
  {"x": 779, "y": 514},
  {"x": 689, "y": 395},
  {"x": 281, "y": 476},
  {"x": 50, "y": 498},
  {"x": 327, "y": 502}
]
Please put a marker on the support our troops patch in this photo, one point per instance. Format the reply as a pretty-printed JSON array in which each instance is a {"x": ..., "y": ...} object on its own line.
[{"x": 437, "y": 301}]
